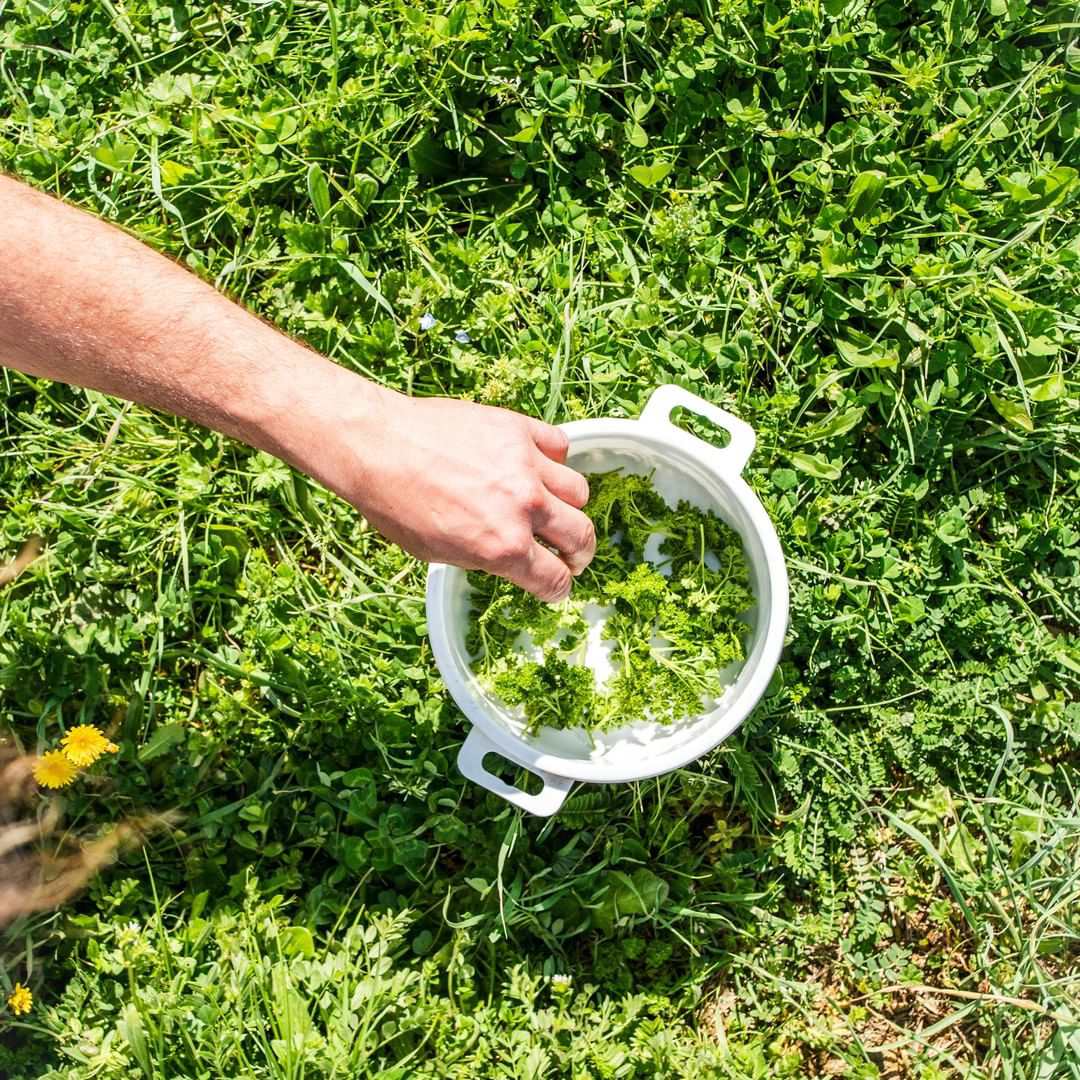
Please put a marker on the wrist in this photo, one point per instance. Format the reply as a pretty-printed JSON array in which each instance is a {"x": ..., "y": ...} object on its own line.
[{"x": 323, "y": 419}]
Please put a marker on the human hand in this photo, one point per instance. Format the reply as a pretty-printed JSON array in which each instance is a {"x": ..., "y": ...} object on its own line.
[{"x": 453, "y": 481}]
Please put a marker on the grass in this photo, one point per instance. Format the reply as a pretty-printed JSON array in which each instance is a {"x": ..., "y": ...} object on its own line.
[{"x": 855, "y": 226}]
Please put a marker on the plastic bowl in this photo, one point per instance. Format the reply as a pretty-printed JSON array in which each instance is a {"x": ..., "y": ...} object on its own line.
[{"x": 683, "y": 467}]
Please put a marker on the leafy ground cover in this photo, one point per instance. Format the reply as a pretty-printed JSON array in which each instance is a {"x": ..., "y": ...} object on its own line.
[{"x": 854, "y": 225}]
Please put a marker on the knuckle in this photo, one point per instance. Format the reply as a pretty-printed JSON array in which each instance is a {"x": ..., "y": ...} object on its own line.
[
  {"x": 558, "y": 585},
  {"x": 486, "y": 555},
  {"x": 508, "y": 549},
  {"x": 560, "y": 440},
  {"x": 489, "y": 550},
  {"x": 519, "y": 546},
  {"x": 533, "y": 497},
  {"x": 582, "y": 538}
]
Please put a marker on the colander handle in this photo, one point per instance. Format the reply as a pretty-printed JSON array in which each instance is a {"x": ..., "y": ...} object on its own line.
[
  {"x": 657, "y": 413},
  {"x": 471, "y": 763}
]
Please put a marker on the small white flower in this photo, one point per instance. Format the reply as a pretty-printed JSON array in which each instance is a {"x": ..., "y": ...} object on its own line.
[
  {"x": 560, "y": 982},
  {"x": 427, "y": 321},
  {"x": 462, "y": 338}
]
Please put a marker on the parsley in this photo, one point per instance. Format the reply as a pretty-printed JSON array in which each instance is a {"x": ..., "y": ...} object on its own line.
[{"x": 674, "y": 624}]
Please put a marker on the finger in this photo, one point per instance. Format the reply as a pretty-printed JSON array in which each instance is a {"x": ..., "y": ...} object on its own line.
[
  {"x": 552, "y": 441},
  {"x": 570, "y": 532},
  {"x": 565, "y": 483},
  {"x": 543, "y": 574}
]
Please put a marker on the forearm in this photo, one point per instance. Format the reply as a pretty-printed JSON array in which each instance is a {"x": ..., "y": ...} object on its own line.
[{"x": 83, "y": 302}]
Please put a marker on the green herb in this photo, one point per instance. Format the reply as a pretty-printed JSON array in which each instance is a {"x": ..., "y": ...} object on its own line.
[{"x": 674, "y": 626}]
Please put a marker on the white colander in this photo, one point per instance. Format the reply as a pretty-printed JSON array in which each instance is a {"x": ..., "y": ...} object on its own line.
[{"x": 683, "y": 467}]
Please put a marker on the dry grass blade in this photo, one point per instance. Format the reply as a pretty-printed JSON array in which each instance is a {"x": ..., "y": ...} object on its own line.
[
  {"x": 33, "y": 879},
  {"x": 9, "y": 571}
]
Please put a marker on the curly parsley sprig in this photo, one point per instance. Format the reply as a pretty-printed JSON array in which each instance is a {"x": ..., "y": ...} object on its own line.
[{"x": 675, "y": 625}]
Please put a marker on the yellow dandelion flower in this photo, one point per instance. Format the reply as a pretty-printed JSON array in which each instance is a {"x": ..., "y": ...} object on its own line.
[
  {"x": 20, "y": 1000},
  {"x": 54, "y": 770},
  {"x": 84, "y": 744}
]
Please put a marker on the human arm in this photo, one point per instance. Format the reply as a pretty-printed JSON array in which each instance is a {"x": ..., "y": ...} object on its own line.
[{"x": 451, "y": 481}]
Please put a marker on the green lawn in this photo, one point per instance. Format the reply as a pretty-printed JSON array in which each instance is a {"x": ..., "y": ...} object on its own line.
[{"x": 856, "y": 226}]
